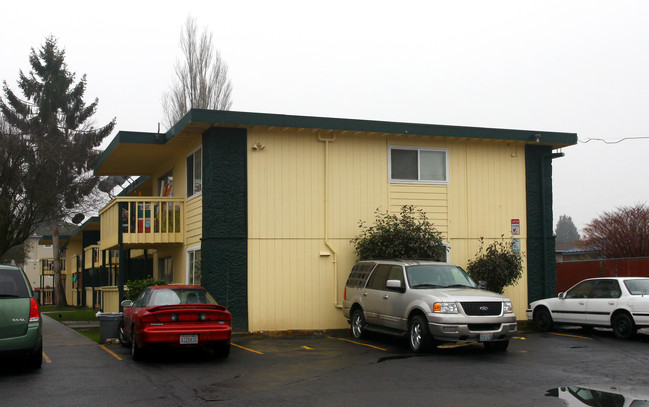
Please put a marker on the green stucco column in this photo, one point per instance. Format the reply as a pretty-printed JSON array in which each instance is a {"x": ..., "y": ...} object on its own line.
[
  {"x": 224, "y": 247},
  {"x": 541, "y": 264}
]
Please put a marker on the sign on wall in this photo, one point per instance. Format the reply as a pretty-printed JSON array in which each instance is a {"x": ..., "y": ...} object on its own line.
[{"x": 516, "y": 227}]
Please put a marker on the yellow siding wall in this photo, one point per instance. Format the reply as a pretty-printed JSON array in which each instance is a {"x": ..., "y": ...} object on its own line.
[{"x": 296, "y": 201}]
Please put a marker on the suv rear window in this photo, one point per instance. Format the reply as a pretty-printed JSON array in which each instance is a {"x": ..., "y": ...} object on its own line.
[{"x": 12, "y": 284}]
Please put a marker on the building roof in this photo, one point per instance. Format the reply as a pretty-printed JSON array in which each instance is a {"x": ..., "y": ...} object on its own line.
[{"x": 143, "y": 150}]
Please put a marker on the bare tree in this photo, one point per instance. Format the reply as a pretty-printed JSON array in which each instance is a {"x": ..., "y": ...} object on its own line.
[
  {"x": 201, "y": 76},
  {"x": 620, "y": 233}
]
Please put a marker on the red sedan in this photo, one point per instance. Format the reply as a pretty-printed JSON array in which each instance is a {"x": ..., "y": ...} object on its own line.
[{"x": 175, "y": 315}]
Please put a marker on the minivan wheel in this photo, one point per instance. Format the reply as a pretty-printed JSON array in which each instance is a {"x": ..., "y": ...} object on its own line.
[
  {"x": 358, "y": 323},
  {"x": 418, "y": 334}
]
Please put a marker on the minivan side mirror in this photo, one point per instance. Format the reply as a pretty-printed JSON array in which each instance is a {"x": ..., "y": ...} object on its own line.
[
  {"x": 127, "y": 303},
  {"x": 395, "y": 285}
]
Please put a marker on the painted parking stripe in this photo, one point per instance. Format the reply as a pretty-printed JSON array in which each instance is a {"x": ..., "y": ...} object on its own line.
[
  {"x": 244, "y": 348},
  {"x": 571, "y": 336},
  {"x": 358, "y": 343},
  {"x": 111, "y": 352},
  {"x": 47, "y": 360}
]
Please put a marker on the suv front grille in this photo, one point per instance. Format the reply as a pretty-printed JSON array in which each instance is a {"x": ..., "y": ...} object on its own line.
[{"x": 482, "y": 308}]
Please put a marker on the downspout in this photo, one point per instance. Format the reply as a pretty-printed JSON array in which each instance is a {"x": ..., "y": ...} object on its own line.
[
  {"x": 544, "y": 232},
  {"x": 327, "y": 140}
]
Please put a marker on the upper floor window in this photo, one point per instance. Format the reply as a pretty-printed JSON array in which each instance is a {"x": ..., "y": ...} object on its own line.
[
  {"x": 418, "y": 165},
  {"x": 195, "y": 172}
]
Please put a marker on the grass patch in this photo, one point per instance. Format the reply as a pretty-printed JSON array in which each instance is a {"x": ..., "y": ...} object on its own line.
[
  {"x": 92, "y": 333},
  {"x": 70, "y": 313}
]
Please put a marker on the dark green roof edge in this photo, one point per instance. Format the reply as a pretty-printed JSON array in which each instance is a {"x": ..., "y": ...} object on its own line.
[
  {"x": 223, "y": 117},
  {"x": 133, "y": 137},
  {"x": 139, "y": 181}
]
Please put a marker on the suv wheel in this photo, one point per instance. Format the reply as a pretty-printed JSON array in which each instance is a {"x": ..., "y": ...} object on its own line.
[
  {"x": 358, "y": 323},
  {"x": 418, "y": 334},
  {"x": 496, "y": 346}
]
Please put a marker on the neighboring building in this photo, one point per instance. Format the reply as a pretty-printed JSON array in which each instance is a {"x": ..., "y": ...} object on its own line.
[
  {"x": 573, "y": 252},
  {"x": 261, "y": 208}
]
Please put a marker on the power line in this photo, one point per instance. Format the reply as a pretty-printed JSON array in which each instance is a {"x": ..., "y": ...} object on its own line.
[{"x": 612, "y": 142}]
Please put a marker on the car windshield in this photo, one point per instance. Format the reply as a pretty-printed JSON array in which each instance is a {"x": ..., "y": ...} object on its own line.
[
  {"x": 438, "y": 276},
  {"x": 12, "y": 284},
  {"x": 175, "y": 296},
  {"x": 638, "y": 287}
]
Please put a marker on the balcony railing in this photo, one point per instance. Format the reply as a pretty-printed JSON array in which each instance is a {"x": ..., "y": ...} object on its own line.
[
  {"x": 47, "y": 266},
  {"x": 142, "y": 221}
]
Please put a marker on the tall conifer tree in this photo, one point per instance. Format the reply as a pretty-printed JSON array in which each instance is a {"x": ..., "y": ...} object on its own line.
[{"x": 54, "y": 120}]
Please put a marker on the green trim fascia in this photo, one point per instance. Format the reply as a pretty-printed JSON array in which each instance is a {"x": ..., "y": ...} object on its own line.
[
  {"x": 139, "y": 181},
  {"x": 232, "y": 118},
  {"x": 130, "y": 137}
]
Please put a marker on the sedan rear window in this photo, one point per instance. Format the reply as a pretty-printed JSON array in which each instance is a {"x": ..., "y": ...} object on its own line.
[
  {"x": 12, "y": 284},
  {"x": 175, "y": 296},
  {"x": 638, "y": 287}
]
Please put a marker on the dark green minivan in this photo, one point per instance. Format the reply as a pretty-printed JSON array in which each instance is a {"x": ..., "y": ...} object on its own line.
[{"x": 21, "y": 326}]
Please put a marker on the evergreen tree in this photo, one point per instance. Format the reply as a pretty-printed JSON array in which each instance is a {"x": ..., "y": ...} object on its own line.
[
  {"x": 54, "y": 120},
  {"x": 566, "y": 230}
]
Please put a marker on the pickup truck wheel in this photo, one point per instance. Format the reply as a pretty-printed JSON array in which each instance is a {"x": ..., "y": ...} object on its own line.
[
  {"x": 623, "y": 326},
  {"x": 543, "y": 319},
  {"x": 418, "y": 334},
  {"x": 358, "y": 324}
]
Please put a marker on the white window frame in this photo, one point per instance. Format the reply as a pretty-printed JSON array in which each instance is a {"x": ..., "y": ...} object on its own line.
[
  {"x": 191, "y": 251},
  {"x": 418, "y": 180},
  {"x": 193, "y": 155}
]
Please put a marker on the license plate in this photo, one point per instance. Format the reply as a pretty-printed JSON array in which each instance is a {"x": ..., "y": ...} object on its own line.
[
  {"x": 486, "y": 337},
  {"x": 188, "y": 339}
]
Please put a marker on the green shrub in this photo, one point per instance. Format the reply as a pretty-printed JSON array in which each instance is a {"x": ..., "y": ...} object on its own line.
[
  {"x": 135, "y": 287},
  {"x": 408, "y": 235},
  {"x": 497, "y": 265}
]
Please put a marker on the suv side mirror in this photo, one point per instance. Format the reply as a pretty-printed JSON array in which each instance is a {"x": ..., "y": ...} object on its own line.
[
  {"x": 482, "y": 285},
  {"x": 395, "y": 285}
]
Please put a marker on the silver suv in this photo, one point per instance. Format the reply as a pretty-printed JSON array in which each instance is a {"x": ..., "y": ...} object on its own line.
[{"x": 427, "y": 302}]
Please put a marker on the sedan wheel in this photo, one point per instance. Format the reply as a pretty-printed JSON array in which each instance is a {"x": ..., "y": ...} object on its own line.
[
  {"x": 623, "y": 326},
  {"x": 358, "y": 324},
  {"x": 418, "y": 334},
  {"x": 543, "y": 319},
  {"x": 136, "y": 352},
  {"x": 122, "y": 335}
]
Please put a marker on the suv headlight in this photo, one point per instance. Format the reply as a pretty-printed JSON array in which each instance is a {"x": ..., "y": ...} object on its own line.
[
  {"x": 445, "y": 307},
  {"x": 507, "y": 307}
]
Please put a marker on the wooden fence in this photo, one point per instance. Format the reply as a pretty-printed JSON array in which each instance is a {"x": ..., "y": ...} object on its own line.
[{"x": 571, "y": 272}]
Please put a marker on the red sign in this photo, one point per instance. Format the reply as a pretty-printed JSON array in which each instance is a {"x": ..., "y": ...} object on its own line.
[{"x": 516, "y": 226}]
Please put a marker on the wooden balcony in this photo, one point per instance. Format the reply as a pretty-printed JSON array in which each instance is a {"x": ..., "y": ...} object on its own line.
[
  {"x": 47, "y": 266},
  {"x": 143, "y": 222}
]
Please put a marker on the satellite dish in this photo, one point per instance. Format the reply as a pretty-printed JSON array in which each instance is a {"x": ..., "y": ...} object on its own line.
[{"x": 78, "y": 218}]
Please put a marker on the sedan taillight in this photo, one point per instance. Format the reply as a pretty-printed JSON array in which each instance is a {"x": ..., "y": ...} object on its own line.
[{"x": 34, "y": 313}]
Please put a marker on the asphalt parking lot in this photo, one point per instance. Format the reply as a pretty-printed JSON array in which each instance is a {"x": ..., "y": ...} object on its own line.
[{"x": 328, "y": 369}]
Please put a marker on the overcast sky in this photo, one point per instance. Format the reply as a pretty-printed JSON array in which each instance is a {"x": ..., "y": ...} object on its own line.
[{"x": 570, "y": 66}]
